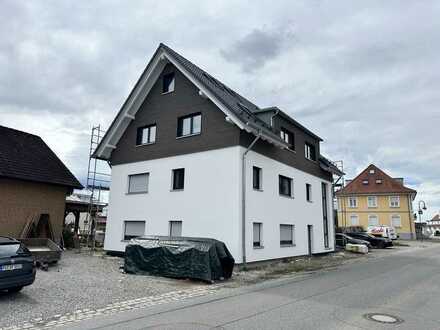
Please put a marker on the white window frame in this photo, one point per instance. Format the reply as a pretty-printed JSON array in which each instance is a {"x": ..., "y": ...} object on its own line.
[
  {"x": 373, "y": 216},
  {"x": 260, "y": 228},
  {"x": 147, "y": 130},
  {"x": 124, "y": 229},
  {"x": 292, "y": 186},
  {"x": 147, "y": 174},
  {"x": 375, "y": 202},
  {"x": 351, "y": 219},
  {"x": 260, "y": 178},
  {"x": 355, "y": 202},
  {"x": 292, "y": 227},
  {"x": 172, "y": 85},
  {"x": 391, "y": 201},
  {"x": 392, "y": 222},
  {"x": 310, "y": 192},
  {"x": 170, "y": 229}
]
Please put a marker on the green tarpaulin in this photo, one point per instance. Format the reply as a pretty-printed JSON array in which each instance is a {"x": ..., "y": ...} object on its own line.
[{"x": 179, "y": 257}]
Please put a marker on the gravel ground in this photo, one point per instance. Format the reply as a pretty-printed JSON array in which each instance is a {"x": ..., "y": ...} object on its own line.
[{"x": 80, "y": 281}]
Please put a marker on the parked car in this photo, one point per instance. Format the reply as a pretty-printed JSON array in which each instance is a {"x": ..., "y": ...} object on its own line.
[
  {"x": 377, "y": 242},
  {"x": 383, "y": 231},
  {"x": 343, "y": 239},
  {"x": 17, "y": 267}
]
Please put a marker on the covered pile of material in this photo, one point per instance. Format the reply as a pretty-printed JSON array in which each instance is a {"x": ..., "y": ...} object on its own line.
[{"x": 179, "y": 257}]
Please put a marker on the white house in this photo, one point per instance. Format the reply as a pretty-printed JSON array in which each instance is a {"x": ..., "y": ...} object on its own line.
[{"x": 191, "y": 157}]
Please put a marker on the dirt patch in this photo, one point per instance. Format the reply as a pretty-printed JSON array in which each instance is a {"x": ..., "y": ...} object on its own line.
[{"x": 297, "y": 266}]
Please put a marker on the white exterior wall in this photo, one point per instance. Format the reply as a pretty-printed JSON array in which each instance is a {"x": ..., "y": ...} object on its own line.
[
  {"x": 210, "y": 204},
  {"x": 271, "y": 209},
  {"x": 207, "y": 207}
]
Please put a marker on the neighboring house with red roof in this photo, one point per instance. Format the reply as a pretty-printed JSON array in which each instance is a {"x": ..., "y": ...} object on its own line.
[
  {"x": 374, "y": 198},
  {"x": 433, "y": 226},
  {"x": 34, "y": 183}
]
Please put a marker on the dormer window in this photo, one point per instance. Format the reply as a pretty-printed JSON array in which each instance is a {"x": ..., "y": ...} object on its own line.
[
  {"x": 168, "y": 83},
  {"x": 288, "y": 137},
  {"x": 310, "y": 152}
]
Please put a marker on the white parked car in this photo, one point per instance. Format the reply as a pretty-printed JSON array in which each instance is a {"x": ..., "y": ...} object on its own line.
[{"x": 383, "y": 231}]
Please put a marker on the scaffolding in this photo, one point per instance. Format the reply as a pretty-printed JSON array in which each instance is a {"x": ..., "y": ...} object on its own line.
[
  {"x": 97, "y": 181},
  {"x": 338, "y": 184}
]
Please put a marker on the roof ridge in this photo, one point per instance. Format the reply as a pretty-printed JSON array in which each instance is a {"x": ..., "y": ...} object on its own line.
[{"x": 394, "y": 184}]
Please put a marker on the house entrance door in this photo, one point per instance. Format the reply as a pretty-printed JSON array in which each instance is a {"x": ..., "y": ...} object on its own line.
[{"x": 310, "y": 239}]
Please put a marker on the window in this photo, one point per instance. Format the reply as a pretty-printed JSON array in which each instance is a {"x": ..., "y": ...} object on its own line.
[
  {"x": 133, "y": 229},
  {"x": 308, "y": 192},
  {"x": 138, "y": 183},
  {"x": 168, "y": 83},
  {"x": 256, "y": 178},
  {"x": 352, "y": 202},
  {"x": 288, "y": 137},
  {"x": 354, "y": 220},
  {"x": 365, "y": 182},
  {"x": 189, "y": 125},
  {"x": 396, "y": 221},
  {"x": 378, "y": 181},
  {"x": 146, "y": 135},
  {"x": 285, "y": 186},
  {"x": 372, "y": 171},
  {"x": 257, "y": 226},
  {"x": 310, "y": 151},
  {"x": 394, "y": 201},
  {"x": 372, "y": 201},
  {"x": 178, "y": 179},
  {"x": 175, "y": 228},
  {"x": 373, "y": 220},
  {"x": 286, "y": 235}
]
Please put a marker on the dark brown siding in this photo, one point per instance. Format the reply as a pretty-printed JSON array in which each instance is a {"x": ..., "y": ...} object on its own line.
[
  {"x": 294, "y": 159},
  {"x": 164, "y": 111},
  {"x": 21, "y": 200}
]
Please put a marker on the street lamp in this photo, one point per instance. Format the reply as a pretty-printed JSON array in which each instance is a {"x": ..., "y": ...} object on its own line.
[{"x": 422, "y": 207}]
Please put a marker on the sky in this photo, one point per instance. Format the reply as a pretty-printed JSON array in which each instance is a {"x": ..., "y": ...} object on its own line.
[{"x": 365, "y": 76}]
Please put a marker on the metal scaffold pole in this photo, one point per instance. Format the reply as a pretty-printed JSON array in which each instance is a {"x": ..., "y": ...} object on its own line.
[{"x": 97, "y": 181}]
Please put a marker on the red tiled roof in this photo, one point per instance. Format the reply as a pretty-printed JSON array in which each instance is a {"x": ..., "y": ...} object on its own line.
[
  {"x": 435, "y": 218},
  {"x": 386, "y": 184}
]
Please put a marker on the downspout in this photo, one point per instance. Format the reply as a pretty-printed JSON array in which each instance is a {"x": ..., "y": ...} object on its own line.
[
  {"x": 243, "y": 198},
  {"x": 273, "y": 116},
  {"x": 410, "y": 214}
]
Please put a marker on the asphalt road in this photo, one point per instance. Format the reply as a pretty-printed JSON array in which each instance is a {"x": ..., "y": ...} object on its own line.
[{"x": 405, "y": 284}]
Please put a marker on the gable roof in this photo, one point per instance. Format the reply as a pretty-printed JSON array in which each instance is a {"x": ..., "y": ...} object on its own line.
[
  {"x": 435, "y": 218},
  {"x": 289, "y": 119},
  {"x": 387, "y": 185},
  {"x": 25, "y": 156},
  {"x": 238, "y": 109}
]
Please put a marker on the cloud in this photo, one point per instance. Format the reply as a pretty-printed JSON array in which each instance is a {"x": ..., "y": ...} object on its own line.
[
  {"x": 256, "y": 48},
  {"x": 364, "y": 76}
]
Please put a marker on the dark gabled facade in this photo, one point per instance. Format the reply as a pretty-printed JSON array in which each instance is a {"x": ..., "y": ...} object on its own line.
[{"x": 163, "y": 110}]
